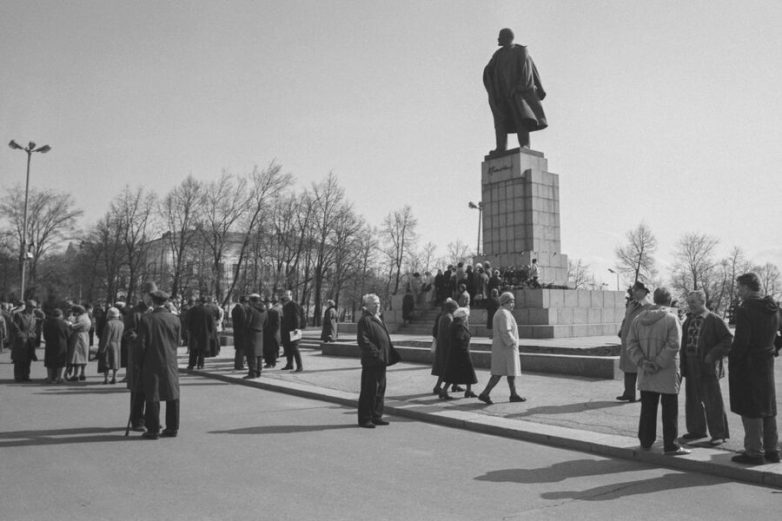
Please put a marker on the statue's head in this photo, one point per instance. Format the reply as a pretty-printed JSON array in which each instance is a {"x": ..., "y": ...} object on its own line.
[{"x": 505, "y": 38}]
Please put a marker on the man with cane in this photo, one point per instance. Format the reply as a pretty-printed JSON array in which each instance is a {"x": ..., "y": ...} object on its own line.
[{"x": 133, "y": 371}]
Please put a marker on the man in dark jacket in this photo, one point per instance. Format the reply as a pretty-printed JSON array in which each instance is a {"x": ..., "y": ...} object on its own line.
[
  {"x": 290, "y": 326},
  {"x": 203, "y": 341},
  {"x": 329, "y": 328},
  {"x": 255, "y": 320},
  {"x": 271, "y": 334},
  {"x": 238, "y": 322},
  {"x": 374, "y": 343},
  {"x": 751, "y": 372},
  {"x": 158, "y": 339},
  {"x": 24, "y": 335},
  {"x": 705, "y": 341}
]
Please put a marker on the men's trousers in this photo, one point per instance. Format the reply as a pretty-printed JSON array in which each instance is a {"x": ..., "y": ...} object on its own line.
[
  {"x": 238, "y": 354},
  {"x": 137, "y": 401},
  {"x": 371, "y": 400},
  {"x": 254, "y": 364},
  {"x": 22, "y": 370},
  {"x": 760, "y": 435},
  {"x": 196, "y": 359},
  {"x": 292, "y": 353},
  {"x": 703, "y": 404},
  {"x": 647, "y": 426},
  {"x": 152, "y": 415}
]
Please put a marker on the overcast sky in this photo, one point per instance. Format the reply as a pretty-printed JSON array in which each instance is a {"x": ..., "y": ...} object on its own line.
[{"x": 663, "y": 111}]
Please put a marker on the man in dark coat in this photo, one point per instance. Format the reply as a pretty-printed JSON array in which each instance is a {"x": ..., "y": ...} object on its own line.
[
  {"x": 374, "y": 343},
  {"x": 158, "y": 339},
  {"x": 751, "y": 372},
  {"x": 705, "y": 341},
  {"x": 238, "y": 322},
  {"x": 24, "y": 335},
  {"x": 515, "y": 92},
  {"x": 255, "y": 320},
  {"x": 329, "y": 331},
  {"x": 290, "y": 325},
  {"x": 271, "y": 334},
  {"x": 203, "y": 341}
]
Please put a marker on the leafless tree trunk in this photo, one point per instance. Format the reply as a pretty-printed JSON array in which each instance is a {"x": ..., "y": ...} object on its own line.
[
  {"x": 637, "y": 256},
  {"x": 399, "y": 233}
]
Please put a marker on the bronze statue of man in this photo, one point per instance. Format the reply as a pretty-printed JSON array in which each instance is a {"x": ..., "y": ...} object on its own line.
[{"x": 515, "y": 92}]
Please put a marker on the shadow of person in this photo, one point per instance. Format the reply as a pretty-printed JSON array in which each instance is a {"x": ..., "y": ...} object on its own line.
[
  {"x": 672, "y": 481},
  {"x": 60, "y": 436},
  {"x": 283, "y": 429},
  {"x": 566, "y": 409},
  {"x": 559, "y": 471}
]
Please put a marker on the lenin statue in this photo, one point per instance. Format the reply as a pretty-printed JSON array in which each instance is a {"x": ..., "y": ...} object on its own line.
[{"x": 515, "y": 92}]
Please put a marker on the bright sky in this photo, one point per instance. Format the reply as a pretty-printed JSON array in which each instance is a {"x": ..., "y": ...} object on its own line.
[{"x": 662, "y": 111}]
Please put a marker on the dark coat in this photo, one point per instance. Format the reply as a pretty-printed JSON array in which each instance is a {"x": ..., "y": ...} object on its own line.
[
  {"x": 492, "y": 305},
  {"x": 290, "y": 320},
  {"x": 238, "y": 322},
  {"x": 442, "y": 334},
  {"x": 459, "y": 368},
  {"x": 271, "y": 334},
  {"x": 329, "y": 331},
  {"x": 374, "y": 341},
  {"x": 158, "y": 339},
  {"x": 751, "y": 359},
  {"x": 714, "y": 337},
  {"x": 24, "y": 335},
  {"x": 202, "y": 321},
  {"x": 55, "y": 334},
  {"x": 253, "y": 331}
]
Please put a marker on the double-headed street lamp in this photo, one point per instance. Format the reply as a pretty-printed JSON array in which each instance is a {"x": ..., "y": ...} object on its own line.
[
  {"x": 478, "y": 207},
  {"x": 29, "y": 149},
  {"x": 617, "y": 277}
]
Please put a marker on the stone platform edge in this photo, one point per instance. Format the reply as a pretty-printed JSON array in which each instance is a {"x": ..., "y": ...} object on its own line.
[{"x": 702, "y": 460}]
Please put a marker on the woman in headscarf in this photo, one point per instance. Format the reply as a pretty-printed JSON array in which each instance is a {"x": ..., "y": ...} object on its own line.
[
  {"x": 505, "y": 359},
  {"x": 55, "y": 334},
  {"x": 110, "y": 344},
  {"x": 79, "y": 342},
  {"x": 459, "y": 368}
]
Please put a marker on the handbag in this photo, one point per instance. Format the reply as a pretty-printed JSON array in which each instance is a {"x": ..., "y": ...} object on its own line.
[
  {"x": 295, "y": 335},
  {"x": 393, "y": 355}
]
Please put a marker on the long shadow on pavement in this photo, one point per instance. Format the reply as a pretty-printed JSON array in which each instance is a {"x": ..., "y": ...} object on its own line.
[
  {"x": 558, "y": 471},
  {"x": 283, "y": 429},
  {"x": 565, "y": 409},
  {"x": 60, "y": 436},
  {"x": 672, "y": 481}
]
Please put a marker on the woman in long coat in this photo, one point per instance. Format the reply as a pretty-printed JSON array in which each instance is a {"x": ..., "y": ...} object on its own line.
[
  {"x": 109, "y": 346},
  {"x": 459, "y": 368},
  {"x": 504, "y": 350},
  {"x": 55, "y": 334},
  {"x": 329, "y": 331},
  {"x": 79, "y": 346},
  {"x": 441, "y": 336}
]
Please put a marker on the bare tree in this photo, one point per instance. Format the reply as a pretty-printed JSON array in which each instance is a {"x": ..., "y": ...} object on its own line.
[
  {"x": 458, "y": 252},
  {"x": 133, "y": 209},
  {"x": 578, "y": 274},
  {"x": 399, "y": 234},
  {"x": 51, "y": 219},
  {"x": 223, "y": 205},
  {"x": 637, "y": 256},
  {"x": 264, "y": 186},
  {"x": 694, "y": 262},
  {"x": 105, "y": 243},
  {"x": 180, "y": 211},
  {"x": 769, "y": 279}
]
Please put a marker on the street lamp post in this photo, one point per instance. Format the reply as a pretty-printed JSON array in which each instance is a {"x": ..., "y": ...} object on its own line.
[
  {"x": 617, "y": 277},
  {"x": 29, "y": 149},
  {"x": 478, "y": 207}
]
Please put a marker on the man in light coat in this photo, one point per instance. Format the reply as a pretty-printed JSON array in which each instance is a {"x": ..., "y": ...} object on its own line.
[
  {"x": 653, "y": 345},
  {"x": 639, "y": 300},
  {"x": 705, "y": 341},
  {"x": 505, "y": 359}
]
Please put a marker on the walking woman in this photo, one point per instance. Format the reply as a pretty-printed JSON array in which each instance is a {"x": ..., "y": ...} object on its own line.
[
  {"x": 110, "y": 345},
  {"x": 459, "y": 368}
]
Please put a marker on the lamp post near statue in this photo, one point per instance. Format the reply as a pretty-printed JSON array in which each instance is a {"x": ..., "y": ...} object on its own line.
[
  {"x": 23, "y": 254},
  {"x": 478, "y": 207},
  {"x": 615, "y": 272}
]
